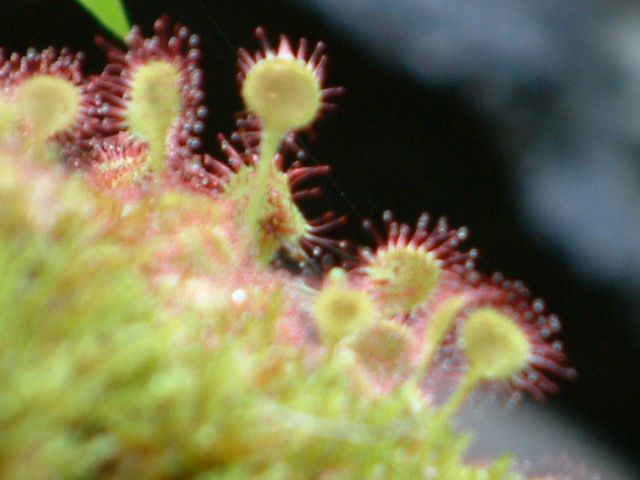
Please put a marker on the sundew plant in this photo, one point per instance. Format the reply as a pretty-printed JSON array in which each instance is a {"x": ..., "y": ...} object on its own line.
[{"x": 168, "y": 314}]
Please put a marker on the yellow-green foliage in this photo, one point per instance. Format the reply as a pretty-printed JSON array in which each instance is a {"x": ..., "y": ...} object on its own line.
[
  {"x": 105, "y": 374},
  {"x": 110, "y": 13}
]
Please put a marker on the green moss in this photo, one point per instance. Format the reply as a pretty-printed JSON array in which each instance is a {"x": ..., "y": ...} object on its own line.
[{"x": 104, "y": 377}]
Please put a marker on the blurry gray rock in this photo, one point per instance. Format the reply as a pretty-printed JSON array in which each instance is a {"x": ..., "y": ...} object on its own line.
[
  {"x": 543, "y": 443},
  {"x": 562, "y": 78}
]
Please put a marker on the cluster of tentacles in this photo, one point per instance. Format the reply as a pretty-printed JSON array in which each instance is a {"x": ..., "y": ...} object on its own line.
[
  {"x": 229, "y": 236},
  {"x": 139, "y": 124}
]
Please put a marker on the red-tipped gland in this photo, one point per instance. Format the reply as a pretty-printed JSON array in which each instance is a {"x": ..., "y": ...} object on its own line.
[
  {"x": 16, "y": 69},
  {"x": 153, "y": 90},
  {"x": 285, "y": 227},
  {"x": 501, "y": 302},
  {"x": 409, "y": 266},
  {"x": 283, "y": 86},
  {"x": 45, "y": 91},
  {"x": 119, "y": 163}
]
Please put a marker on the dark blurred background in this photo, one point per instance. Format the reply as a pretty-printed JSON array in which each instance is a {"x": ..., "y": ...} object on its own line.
[{"x": 518, "y": 119}]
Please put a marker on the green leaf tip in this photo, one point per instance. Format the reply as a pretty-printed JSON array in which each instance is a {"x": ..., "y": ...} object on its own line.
[{"x": 111, "y": 14}]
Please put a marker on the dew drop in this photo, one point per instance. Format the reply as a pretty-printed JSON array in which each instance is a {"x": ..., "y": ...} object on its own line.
[
  {"x": 423, "y": 221},
  {"x": 239, "y": 296},
  {"x": 538, "y": 305},
  {"x": 194, "y": 40}
]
